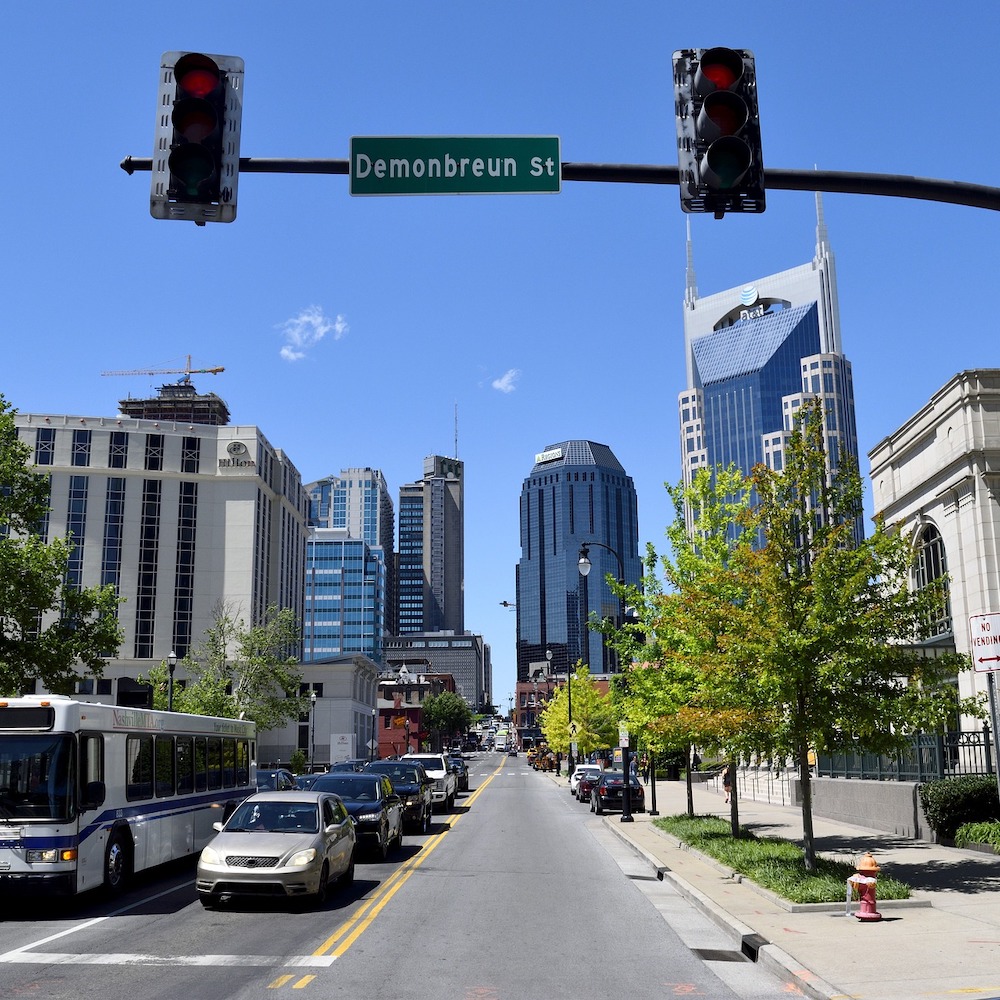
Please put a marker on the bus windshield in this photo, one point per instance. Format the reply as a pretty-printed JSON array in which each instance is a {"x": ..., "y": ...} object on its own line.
[{"x": 35, "y": 777}]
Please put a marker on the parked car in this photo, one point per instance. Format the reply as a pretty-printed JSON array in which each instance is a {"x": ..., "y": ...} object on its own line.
[
  {"x": 577, "y": 776},
  {"x": 607, "y": 795},
  {"x": 445, "y": 779},
  {"x": 586, "y": 784},
  {"x": 374, "y": 804},
  {"x": 305, "y": 781},
  {"x": 355, "y": 764},
  {"x": 413, "y": 785},
  {"x": 461, "y": 770},
  {"x": 276, "y": 780},
  {"x": 279, "y": 844}
]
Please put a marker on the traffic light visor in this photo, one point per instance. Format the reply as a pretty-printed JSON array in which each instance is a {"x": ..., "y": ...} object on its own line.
[
  {"x": 720, "y": 69},
  {"x": 197, "y": 75}
]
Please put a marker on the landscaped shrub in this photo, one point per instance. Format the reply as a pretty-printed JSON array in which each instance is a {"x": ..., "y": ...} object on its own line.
[
  {"x": 953, "y": 802},
  {"x": 978, "y": 833}
]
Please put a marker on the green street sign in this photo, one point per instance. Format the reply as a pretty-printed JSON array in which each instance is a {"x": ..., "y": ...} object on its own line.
[{"x": 515, "y": 164}]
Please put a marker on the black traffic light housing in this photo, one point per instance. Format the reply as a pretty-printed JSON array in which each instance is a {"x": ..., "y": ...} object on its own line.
[
  {"x": 196, "y": 152},
  {"x": 718, "y": 131}
]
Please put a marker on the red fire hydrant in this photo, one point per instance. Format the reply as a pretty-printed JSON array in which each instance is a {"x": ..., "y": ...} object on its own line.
[{"x": 863, "y": 882}]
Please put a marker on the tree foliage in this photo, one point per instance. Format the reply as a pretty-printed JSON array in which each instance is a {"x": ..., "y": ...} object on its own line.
[
  {"x": 446, "y": 714},
  {"x": 240, "y": 672},
  {"x": 781, "y": 633},
  {"x": 48, "y": 626},
  {"x": 595, "y": 719}
]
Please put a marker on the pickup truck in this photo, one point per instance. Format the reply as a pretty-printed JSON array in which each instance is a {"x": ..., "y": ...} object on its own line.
[{"x": 439, "y": 768}]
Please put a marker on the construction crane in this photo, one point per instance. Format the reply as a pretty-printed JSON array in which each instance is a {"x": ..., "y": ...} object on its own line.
[{"x": 186, "y": 371}]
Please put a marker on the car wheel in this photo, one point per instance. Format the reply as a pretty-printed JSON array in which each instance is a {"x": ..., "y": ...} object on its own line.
[
  {"x": 348, "y": 877},
  {"x": 598, "y": 808},
  {"x": 117, "y": 865},
  {"x": 323, "y": 889},
  {"x": 399, "y": 836},
  {"x": 382, "y": 847},
  {"x": 425, "y": 822},
  {"x": 208, "y": 902}
]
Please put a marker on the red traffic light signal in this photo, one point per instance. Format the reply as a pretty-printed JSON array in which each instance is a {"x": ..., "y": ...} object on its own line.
[
  {"x": 197, "y": 148},
  {"x": 718, "y": 131}
]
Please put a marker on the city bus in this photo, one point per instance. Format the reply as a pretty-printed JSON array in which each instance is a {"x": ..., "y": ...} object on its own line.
[{"x": 90, "y": 794}]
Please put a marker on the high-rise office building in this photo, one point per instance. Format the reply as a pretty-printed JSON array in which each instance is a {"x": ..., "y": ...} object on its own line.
[
  {"x": 349, "y": 564},
  {"x": 754, "y": 354},
  {"x": 181, "y": 517},
  {"x": 430, "y": 568},
  {"x": 576, "y": 493}
]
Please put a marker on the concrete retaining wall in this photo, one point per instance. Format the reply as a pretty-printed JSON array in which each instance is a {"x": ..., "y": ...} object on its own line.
[{"x": 892, "y": 806}]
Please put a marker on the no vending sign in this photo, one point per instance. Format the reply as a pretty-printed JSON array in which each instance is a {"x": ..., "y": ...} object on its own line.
[{"x": 984, "y": 641}]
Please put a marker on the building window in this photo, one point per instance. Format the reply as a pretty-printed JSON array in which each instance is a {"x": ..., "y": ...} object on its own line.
[
  {"x": 81, "y": 448},
  {"x": 932, "y": 565},
  {"x": 190, "y": 455},
  {"x": 45, "y": 446},
  {"x": 154, "y": 452},
  {"x": 118, "y": 450}
]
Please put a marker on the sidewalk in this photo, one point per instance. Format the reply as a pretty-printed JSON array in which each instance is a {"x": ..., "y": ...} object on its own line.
[{"x": 942, "y": 942}]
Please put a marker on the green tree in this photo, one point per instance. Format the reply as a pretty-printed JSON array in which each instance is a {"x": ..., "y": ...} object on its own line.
[
  {"x": 48, "y": 626},
  {"x": 240, "y": 672},
  {"x": 594, "y": 719},
  {"x": 446, "y": 714},
  {"x": 823, "y": 647},
  {"x": 669, "y": 694}
]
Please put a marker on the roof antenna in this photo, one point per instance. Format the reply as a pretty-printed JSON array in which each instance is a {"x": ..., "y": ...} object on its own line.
[{"x": 456, "y": 431}]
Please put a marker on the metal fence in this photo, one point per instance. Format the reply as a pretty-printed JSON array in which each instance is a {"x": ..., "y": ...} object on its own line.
[{"x": 925, "y": 758}]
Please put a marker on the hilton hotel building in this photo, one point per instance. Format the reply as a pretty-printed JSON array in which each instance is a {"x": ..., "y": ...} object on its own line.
[{"x": 181, "y": 516}]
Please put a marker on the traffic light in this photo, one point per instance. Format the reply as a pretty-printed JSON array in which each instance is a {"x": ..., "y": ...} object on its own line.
[
  {"x": 196, "y": 153},
  {"x": 718, "y": 131}
]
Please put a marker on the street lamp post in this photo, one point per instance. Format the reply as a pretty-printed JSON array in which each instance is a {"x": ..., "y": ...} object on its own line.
[
  {"x": 584, "y": 565},
  {"x": 374, "y": 742},
  {"x": 171, "y": 666},
  {"x": 312, "y": 730}
]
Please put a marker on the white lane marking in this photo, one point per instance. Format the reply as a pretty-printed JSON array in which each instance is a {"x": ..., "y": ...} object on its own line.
[{"x": 22, "y": 957}]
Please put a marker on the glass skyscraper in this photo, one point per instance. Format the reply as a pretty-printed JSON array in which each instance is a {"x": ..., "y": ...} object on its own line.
[
  {"x": 348, "y": 565},
  {"x": 577, "y": 492},
  {"x": 755, "y": 354}
]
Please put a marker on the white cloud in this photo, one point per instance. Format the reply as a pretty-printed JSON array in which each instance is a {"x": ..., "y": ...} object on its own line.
[
  {"x": 506, "y": 381},
  {"x": 308, "y": 329}
]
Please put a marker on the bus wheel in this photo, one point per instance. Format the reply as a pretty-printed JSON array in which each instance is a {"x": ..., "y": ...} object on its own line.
[{"x": 117, "y": 865}]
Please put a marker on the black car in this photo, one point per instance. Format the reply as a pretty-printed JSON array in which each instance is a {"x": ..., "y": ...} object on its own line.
[
  {"x": 373, "y": 803},
  {"x": 607, "y": 793},
  {"x": 413, "y": 785},
  {"x": 461, "y": 769},
  {"x": 276, "y": 780},
  {"x": 355, "y": 764}
]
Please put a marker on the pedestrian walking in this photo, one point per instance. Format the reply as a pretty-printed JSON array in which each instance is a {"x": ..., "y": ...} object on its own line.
[
  {"x": 644, "y": 767},
  {"x": 727, "y": 782}
]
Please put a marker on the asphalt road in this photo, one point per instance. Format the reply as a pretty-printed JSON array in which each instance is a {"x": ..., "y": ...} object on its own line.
[{"x": 519, "y": 893}]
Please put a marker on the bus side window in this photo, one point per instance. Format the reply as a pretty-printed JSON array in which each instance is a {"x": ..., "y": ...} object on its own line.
[
  {"x": 228, "y": 763},
  {"x": 139, "y": 767},
  {"x": 91, "y": 760},
  {"x": 185, "y": 765},
  {"x": 164, "y": 779},
  {"x": 200, "y": 764},
  {"x": 214, "y": 763}
]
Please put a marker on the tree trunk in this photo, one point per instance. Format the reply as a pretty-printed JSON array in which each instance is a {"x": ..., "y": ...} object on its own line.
[
  {"x": 690, "y": 792},
  {"x": 734, "y": 808},
  {"x": 805, "y": 787}
]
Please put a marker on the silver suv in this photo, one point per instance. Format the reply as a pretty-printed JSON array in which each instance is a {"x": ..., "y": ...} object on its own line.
[{"x": 439, "y": 768}]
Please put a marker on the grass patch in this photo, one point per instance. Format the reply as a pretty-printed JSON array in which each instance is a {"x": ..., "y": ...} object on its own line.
[{"x": 773, "y": 863}]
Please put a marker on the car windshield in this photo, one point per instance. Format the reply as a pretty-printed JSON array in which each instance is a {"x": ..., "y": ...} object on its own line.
[
  {"x": 430, "y": 763},
  {"x": 350, "y": 789},
  {"x": 273, "y": 816}
]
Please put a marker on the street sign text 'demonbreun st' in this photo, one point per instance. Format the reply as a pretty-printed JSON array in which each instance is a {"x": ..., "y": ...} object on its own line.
[{"x": 383, "y": 165}]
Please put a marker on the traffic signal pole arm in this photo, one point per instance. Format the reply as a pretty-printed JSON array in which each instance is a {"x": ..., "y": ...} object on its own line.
[{"x": 834, "y": 181}]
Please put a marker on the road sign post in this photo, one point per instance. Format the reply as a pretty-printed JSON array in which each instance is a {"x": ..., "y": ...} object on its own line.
[
  {"x": 984, "y": 643},
  {"x": 385, "y": 165}
]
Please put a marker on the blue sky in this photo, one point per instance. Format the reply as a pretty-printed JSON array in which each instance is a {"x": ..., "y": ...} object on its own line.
[{"x": 351, "y": 328}]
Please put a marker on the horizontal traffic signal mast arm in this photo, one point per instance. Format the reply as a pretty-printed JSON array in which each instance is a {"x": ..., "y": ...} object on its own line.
[{"x": 835, "y": 181}]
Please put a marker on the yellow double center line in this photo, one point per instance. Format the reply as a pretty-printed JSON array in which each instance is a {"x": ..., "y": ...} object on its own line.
[{"x": 338, "y": 943}]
